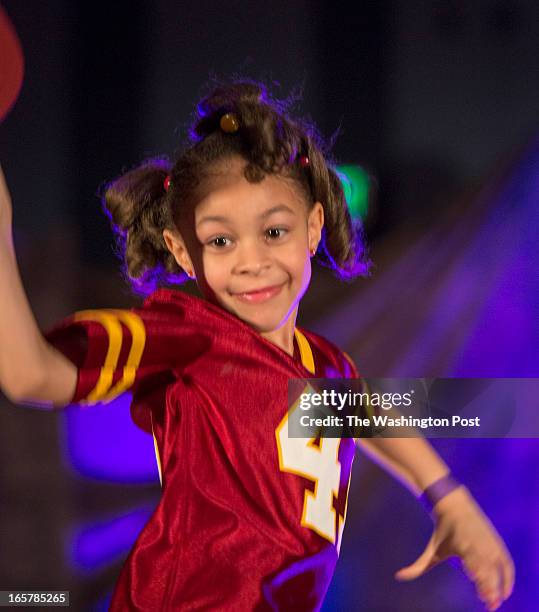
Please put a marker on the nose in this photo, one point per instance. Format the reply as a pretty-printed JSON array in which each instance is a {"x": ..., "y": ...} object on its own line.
[{"x": 252, "y": 258}]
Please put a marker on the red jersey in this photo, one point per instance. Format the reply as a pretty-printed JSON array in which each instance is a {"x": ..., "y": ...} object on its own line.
[{"x": 249, "y": 519}]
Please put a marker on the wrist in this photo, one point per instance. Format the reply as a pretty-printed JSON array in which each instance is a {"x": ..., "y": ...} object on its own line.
[
  {"x": 439, "y": 494},
  {"x": 453, "y": 503}
]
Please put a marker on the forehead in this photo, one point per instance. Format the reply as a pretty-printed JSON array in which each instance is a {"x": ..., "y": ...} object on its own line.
[{"x": 226, "y": 188}]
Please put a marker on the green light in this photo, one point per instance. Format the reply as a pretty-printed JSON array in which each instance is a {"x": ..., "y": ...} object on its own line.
[{"x": 355, "y": 182}]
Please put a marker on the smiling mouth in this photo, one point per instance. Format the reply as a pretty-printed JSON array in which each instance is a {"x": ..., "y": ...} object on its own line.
[{"x": 259, "y": 295}]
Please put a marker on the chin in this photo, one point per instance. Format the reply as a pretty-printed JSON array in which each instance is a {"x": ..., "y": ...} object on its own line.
[
  {"x": 264, "y": 318},
  {"x": 262, "y": 324}
]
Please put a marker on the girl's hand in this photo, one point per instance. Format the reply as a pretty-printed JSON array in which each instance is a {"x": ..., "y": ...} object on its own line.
[
  {"x": 5, "y": 209},
  {"x": 463, "y": 530}
]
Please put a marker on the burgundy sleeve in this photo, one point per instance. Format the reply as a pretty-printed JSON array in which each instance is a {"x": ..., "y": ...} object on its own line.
[{"x": 115, "y": 350}]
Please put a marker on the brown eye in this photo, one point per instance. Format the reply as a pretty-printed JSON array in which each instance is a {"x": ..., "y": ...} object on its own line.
[
  {"x": 219, "y": 242},
  {"x": 276, "y": 232}
]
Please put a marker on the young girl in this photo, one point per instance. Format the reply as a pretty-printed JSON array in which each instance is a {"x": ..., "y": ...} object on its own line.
[{"x": 249, "y": 518}]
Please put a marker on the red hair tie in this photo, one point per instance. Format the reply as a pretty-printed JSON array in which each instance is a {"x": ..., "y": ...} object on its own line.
[{"x": 166, "y": 182}]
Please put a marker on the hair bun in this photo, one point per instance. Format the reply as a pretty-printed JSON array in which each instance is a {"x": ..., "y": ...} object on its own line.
[
  {"x": 228, "y": 97},
  {"x": 240, "y": 97}
]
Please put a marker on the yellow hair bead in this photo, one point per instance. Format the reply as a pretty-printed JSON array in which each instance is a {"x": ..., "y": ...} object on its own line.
[{"x": 229, "y": 123}]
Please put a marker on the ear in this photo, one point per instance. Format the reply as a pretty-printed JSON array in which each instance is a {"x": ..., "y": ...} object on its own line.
[
  {"x": 176, "y": 245},
  {"x": 315, "y": 223}
]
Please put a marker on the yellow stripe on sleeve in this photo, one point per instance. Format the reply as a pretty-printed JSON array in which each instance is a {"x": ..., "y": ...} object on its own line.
[
  {"x": 114, "y": 330},
  {"x": 111, "y": 321},
  {"x": 138, "y": 340}
]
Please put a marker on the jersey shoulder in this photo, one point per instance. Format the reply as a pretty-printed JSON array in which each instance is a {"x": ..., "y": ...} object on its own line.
[
  {"x": 330, "y": 360},
  {"x": 115, "y": 349}
]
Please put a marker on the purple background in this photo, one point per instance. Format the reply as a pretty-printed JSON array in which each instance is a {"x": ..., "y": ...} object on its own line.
[{"x": 438, "y": 102}]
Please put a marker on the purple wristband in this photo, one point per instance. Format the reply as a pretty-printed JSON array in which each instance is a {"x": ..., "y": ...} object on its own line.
[{"x": 434, "y": 492}]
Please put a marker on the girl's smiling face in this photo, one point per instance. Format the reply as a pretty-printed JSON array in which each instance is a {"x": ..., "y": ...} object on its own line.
[{"x": 248, "y": 245}]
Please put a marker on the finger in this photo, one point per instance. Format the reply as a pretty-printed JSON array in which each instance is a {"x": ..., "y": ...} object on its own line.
[
  {"x": 484, "y": 575},
  {"x": 508, "y": 577},
  {"x": 489, "y": 585},
  {"x": 423, "y": 563},
  {"x": 489, "y": 598}
]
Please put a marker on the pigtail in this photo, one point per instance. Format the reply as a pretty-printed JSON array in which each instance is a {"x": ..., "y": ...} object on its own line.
[
  {"x": 343, "y": 245},
  {"x": 344, "y": 238},
  {"x": 136, "y": 204}
]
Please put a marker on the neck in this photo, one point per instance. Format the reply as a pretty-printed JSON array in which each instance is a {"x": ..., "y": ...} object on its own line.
[{"x": 283, "y": 337}]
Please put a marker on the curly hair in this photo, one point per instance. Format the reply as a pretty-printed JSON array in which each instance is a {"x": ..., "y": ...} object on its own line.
[{"x": 270, "y": 141}]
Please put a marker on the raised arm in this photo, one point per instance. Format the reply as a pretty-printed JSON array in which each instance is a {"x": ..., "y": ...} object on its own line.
[{"x": 30, "y": 368}]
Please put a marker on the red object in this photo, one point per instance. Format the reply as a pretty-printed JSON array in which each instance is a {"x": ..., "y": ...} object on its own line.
[
  {"x": 166, "y": 182},
  {"x": 235, "y": 528},
  {"x": 11, "y": 65},
  {"x": 304, "y": 160}
]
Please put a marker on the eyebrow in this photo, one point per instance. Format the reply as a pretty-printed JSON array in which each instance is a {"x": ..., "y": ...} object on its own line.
[{"x": 266, "y": 213}]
